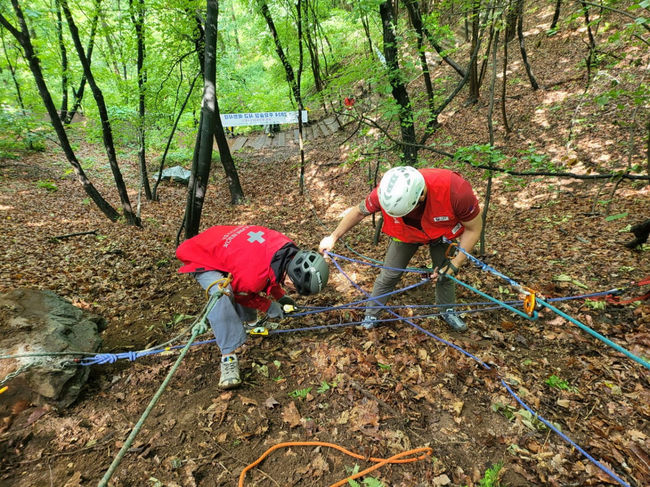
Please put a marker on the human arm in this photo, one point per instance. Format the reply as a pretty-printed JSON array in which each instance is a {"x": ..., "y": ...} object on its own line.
[
  {"x": 352, "y": 217},
  {"x": 468, "y": 239}
]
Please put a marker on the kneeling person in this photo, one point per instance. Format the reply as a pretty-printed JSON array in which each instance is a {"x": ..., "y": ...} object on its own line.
[{"x": 259, "y": 261}]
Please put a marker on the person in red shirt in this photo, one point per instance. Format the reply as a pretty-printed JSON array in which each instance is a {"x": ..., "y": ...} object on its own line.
[
  {"x": 348, "y": 101},
  {"x": 258, "y": 261},
  {"x": 419, "y": 207}
]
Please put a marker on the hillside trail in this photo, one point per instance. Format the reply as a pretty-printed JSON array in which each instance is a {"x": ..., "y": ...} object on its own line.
[{"x": 377, "y": 392}]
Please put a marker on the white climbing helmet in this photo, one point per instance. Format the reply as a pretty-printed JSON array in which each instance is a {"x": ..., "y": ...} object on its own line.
[{"x": 400, "y": 189}]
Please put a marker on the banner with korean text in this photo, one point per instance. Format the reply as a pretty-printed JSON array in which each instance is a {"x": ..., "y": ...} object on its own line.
[{"x": 261, "y": 118}]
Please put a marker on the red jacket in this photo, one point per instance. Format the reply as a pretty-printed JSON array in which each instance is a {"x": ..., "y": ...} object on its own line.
[
  {"x": 438, "y": 218},
  {"x": 244, "y": 251}
]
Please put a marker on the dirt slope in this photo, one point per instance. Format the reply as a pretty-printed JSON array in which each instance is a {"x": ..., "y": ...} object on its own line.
[{"x": 377, "y": 393}]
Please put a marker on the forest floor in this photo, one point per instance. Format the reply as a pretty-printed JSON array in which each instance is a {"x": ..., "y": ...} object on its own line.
[{"x": 378, "y": 392}]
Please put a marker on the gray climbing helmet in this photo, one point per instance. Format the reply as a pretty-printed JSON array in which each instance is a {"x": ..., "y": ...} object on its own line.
[
  {"x": 400, "y": 189},
  {"x": 308, "y": 271}
]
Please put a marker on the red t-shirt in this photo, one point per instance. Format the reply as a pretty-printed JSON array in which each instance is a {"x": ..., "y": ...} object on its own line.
[{"x": 463, "y": 201}]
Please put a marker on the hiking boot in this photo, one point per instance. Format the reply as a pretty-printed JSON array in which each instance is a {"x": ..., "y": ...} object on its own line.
[
  {"x": 229, "y": 372},
  {"x": 369, "y": 322},
  {"x": 454, "y": 320}
]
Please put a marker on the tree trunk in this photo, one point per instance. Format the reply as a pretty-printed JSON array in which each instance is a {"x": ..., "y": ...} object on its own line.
[
  {"x": 24, "y": 40},
  {"x": 556, "y": 14},
  {"x": 366, "y": 30},
  {"x": 473, "y": 67},
  {"x": 236, "y": 191},
  {"x": 131, "y": 217},
  {"x": 412, "y": 4},
  {"x": 416, "y": 20},
  {"x": 291, "y": 79},
  {"x": 63, "y": 112},
  {"x": 409, "y": 151},
  {"x": 171, "y": 137},
  {"x": 137, "y": 17},
  {"x": 12, "y": 70},
  {"x": 79, "y": 94},
  {"x": 203, "y": 149},
  {"x": 522, "y": 46}
]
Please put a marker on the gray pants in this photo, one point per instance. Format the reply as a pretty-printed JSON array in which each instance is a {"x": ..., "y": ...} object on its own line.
[
  {"x": 399, "y": 255},
  {"x": 227, "y": 317}
]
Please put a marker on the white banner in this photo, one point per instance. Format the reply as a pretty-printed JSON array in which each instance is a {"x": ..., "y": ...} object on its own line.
[{"x": 260, "y": 118}]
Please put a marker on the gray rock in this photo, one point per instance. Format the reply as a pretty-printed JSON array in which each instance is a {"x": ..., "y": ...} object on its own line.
[{"x": 41, "y": 322}]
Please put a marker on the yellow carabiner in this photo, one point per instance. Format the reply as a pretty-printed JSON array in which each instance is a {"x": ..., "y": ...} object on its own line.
[
  {"x": 221, "y": 283},
  {"x": 530, "y": 302},
  {"x": 260, "y": 330}
]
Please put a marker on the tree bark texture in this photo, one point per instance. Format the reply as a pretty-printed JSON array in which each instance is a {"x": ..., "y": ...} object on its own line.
[
  {"x": 201, "y": 173},
  {"x": 107, "y": 133},
  {"x": 138, "y": 20},
  {"x": 409, "y": 151},
  {"x": 291, "y": 79},
  {"x": 23, "y": 38},
  {"x": 522, "y": 45}
]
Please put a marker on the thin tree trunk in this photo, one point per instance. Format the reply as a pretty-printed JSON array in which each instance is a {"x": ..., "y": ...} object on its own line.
[
  {"x": 416, "y": 20},
  {"x": 236, "y": 191},
  {"x": 138, "y": 19},
  {"x": 522, "y": 46},
  {"x": 482, "y": 245},
  {"x": 473, "y": 68},
  {"x": 299, "y": 99},
  {"x": 79, "y": 94},
  {"x": 63, "y": 112},
  {"x": 12, "y": 70},
  {"x": 171, "y": 137},
  {"x": 288, "y": 70},
  {"x": 503, "y": 90},
  {"x": 203, "y": 156},
  {"x": 409, "y": 150},
  {"x": 366, "y": 30},
  {"x": 22, "y": 36},
  {"x": 412, "y": 4},
  {"x": 556, "y": 14},
  {"x": 131, "y": 217}
]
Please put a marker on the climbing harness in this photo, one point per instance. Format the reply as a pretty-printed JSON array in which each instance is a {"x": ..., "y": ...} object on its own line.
[{"x": 403, "y": 457}]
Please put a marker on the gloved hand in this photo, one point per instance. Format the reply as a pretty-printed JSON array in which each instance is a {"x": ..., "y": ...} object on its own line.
[
  {"x": 288, "y": 304},
  {"x": 446, "y": 269},
  {"x": 275, "y": 310},
  {"x": 449, "y": 268}
]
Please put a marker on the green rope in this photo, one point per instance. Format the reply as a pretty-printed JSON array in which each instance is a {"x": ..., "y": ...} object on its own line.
[
  {"x": 140, "y": 423},
  {"x": 199, "y": 328}
]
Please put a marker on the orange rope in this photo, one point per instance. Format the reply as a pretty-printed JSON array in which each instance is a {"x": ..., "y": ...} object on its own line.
[{"x": 379, "y": 462}]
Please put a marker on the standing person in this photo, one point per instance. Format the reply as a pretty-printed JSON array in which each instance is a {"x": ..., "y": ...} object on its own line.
[
  {"x": 419, "y": 208},
  {"x": 255, "y": 262}
]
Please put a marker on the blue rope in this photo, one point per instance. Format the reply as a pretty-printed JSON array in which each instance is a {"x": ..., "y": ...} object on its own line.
[
  {"x": 510, "y": 391},
  {"x": 545, "y": 304},
  {"x": 595, "y": 334}
]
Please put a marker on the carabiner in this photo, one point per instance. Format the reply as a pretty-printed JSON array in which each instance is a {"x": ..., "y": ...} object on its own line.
[
  {"x": 530, "y": 302},
  {"x": 452, "y": 245},
  {"x": 260, "y": 330}
]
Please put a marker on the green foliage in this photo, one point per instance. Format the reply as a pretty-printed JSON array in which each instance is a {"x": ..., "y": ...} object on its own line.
[
  {"x": 48, "y": 185},
  {"x": 491, "y": 476},
  {"x": 20, "y": 131},
  {"x": 367, "y": 481},
  {"x": 556, "y": 382},
  {"x": 537, "y": 160},
  {"x": 479, "y": 155},
  {"x": 300, "y": 393}
]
